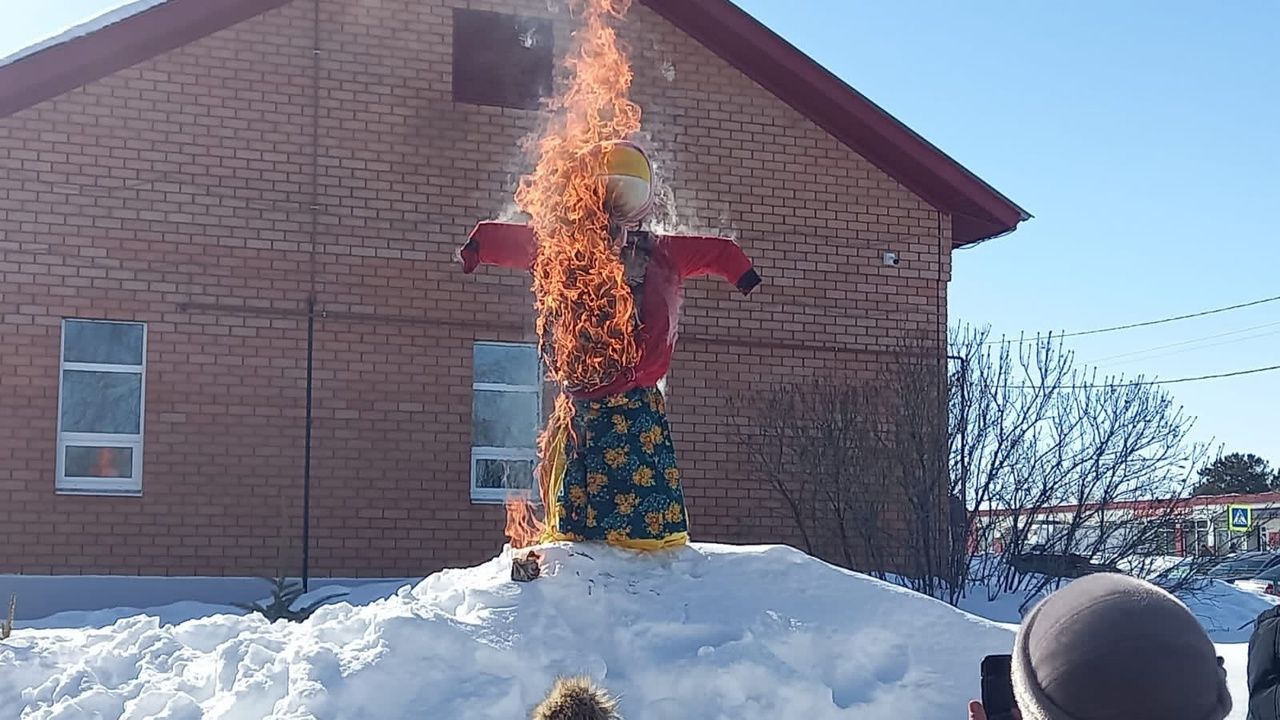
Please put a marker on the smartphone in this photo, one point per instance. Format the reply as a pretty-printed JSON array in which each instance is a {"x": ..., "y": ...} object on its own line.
[{"x": 997, "y": 687}]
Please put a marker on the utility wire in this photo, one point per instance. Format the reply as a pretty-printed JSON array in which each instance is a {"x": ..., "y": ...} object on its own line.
[
  {"x": 1193, "y": 349},
  {"x": 1148, "y": 323},
  {"x": 1147, "y": 383},
  {"x": 1192, "y": 342},
  {"x": 1218, "y": 376}
]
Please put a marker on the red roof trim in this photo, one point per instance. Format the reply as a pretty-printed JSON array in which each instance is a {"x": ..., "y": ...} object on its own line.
[
  {"x": 977, "y": 211},
  {"x": 81, "y": 60}
]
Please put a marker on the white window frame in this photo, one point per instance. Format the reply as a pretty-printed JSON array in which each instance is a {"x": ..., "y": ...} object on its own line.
[
  {"x": 101, "y": 486},
  {"x": 499, "y": 495}
]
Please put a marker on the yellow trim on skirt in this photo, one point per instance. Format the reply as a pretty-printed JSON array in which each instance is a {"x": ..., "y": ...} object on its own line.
[
  {"x": 644, "y": 544},
  {"x": 556, "y": 484}
]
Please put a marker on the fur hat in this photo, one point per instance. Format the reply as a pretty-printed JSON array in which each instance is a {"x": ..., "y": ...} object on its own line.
[
  {"x": 1109, "y": 647},
  {"x": 577, "y": 699}
]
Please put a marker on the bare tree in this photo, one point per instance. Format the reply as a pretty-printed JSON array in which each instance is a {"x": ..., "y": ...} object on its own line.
[
  {"x": 1061, "y": 462},
  {"x": 813, "y": 443},
  {"x": 910, "y": 399},
  {"x": 1008, "y": 452}
]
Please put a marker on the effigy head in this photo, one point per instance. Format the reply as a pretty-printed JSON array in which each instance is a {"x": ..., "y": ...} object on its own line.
[{"x": 628, "y": 183}]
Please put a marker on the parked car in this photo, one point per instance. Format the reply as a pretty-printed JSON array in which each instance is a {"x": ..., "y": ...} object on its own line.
[
  {"x": 1189, "y": 571},
  {"x": 1267, "y": 582},
  {"x": 1057, "y": 565},
  {"x": 1245, "y": 566}
]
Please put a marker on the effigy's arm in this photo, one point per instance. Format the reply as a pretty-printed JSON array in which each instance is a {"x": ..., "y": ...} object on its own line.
[
  {"x": 502, "y": 244},
  {"x": 697, "y": 255}
]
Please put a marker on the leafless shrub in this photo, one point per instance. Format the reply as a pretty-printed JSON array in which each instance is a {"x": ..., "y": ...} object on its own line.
[
  {"x": 1006, "y": 452},
  {"x": 811, "y": 442},
  {"x": 1059, "y": 461}
]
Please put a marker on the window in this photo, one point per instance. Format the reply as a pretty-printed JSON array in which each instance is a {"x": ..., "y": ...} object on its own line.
[
  {"x": 501, "y": 60},
  {"x": 100, "y": 407},
  {"x": 505, "y": 412}
]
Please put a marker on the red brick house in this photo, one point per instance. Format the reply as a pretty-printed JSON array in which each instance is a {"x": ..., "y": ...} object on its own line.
[{"x": 226, "y": 271}]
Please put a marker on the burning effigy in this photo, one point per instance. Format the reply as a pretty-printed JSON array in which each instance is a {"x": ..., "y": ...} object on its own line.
[{"x": 607, "y": 294}]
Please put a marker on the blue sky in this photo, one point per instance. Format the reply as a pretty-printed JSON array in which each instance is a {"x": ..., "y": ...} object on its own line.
[{"x": 1142, "y": 135}]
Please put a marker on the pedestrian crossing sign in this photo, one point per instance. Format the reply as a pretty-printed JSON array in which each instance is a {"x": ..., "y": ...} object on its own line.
[{"x": 1240, "y": 518}]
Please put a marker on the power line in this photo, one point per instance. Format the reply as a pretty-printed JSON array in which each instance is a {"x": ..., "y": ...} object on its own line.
[
  {"x": 1147, "y": 383},
  {"x": 1192, "y": 342},
  {"x": 1193, "y": 349},
  {"x": 1148, "y": 323},
  {"x": 1218, "y": 376}
]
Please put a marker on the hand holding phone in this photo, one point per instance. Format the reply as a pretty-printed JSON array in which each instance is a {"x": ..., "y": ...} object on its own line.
[{"x": 997, "y": 687}]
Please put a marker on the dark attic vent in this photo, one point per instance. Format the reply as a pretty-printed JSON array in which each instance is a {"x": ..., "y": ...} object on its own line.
[{"x": 501, "y": 60}]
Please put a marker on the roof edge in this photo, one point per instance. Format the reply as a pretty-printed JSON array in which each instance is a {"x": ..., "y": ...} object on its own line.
[
  {"x": 51, "y": 71},
  {"x": 84, "y": 27},
  {"x": 979, "y": 212}
]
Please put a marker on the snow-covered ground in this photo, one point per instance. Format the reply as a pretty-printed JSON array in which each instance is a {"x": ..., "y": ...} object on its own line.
[
  {"x": 1225, "y": 611},
  {"x": 1236, "y": 656},
  {"x": 708, "y": 631},
  {"x": 71, "y": 601}
]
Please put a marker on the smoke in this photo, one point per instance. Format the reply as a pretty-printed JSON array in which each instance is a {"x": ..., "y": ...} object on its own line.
[{"x": 669, "y": 216}]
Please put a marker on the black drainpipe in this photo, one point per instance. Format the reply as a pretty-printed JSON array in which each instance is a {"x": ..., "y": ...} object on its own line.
[
  {"x": 306, "y": 449},
  {"x": 311, "y": 297}
]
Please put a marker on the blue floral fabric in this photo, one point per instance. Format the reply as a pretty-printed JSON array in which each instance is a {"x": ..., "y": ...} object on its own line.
[{"x": 621, "y": 483}]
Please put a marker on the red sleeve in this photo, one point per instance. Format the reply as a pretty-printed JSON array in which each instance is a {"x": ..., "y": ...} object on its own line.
[
  {"x": 697, "y": 255},
  {"x": 495, "y": 243}
]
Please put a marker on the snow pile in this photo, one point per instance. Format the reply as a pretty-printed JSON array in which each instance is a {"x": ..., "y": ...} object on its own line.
[
  {"x": 68, "y": 601},
  {"x": 1235, "y": 658},
  {"x": 1225, "y": 611},
  {"x": 1005, "y": 607},
  {"x": 706, "y": 631}
]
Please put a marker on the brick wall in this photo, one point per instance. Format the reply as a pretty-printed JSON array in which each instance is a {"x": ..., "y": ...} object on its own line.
[{"x": 179, "y": 193}]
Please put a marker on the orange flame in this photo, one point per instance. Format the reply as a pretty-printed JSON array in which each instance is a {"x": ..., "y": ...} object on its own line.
[
  {"x": 585, "y": 309},
  {"x": 586, "y": 313},
  {"x": 524, "y": 529}
]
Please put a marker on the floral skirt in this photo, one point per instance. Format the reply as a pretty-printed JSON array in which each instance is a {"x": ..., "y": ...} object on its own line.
[{"x": 617, "y": 480}]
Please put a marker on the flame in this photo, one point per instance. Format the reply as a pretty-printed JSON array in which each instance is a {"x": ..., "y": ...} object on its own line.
[
  {"x": 524, "y": 529},
  {"x": 585, "y": 311}
]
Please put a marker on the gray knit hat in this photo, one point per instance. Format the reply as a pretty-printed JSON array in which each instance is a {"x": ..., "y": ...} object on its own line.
[{"x": 1109, "y": 647}]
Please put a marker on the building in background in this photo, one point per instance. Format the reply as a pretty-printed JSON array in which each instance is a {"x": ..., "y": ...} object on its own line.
[
  {"x": 1194, "y": 526},
  {"x": 226, "y": 269}
]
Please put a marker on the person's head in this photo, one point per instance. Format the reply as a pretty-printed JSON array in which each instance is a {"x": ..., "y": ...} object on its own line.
[
  {"x": 577, "y": 699},
  {"x": 1111, "y": 647}
]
